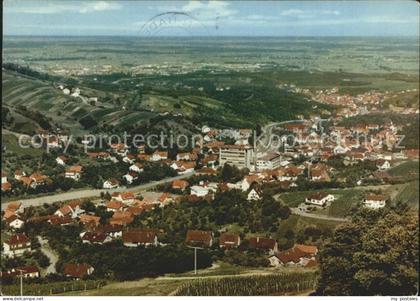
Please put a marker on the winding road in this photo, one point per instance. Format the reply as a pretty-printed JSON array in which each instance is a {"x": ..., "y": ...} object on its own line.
[
  {"x": 87, "y": 193},
  {"x": 297, "y": 211}
]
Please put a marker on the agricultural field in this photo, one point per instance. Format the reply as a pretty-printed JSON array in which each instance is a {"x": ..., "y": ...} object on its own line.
[
  {"x": 255, "y": 285},
  {"x": 173, "y": 284},
  {"x": 409, "y": 168},
  {"x": 125, "y": 54}
]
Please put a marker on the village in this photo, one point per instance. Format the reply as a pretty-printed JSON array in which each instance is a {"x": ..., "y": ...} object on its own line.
[{"x": 208, "y": 171}]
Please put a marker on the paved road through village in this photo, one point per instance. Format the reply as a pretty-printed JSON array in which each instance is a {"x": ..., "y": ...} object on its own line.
[{"x": 80, "y": 194}]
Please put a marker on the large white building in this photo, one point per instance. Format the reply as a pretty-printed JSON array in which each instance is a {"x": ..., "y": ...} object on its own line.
[
  {"x": 238, "y": 155},
  {"x": 269, "y": 161}
]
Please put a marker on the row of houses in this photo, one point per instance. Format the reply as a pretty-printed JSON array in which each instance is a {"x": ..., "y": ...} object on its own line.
[{"x": 71, "y": 270}]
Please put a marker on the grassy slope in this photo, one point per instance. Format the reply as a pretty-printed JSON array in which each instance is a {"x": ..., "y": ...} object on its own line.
[{"x": 344, "y": 200}]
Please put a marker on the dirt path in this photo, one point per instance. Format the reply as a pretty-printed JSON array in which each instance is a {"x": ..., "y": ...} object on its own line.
[{"x": 45, "y": 248}]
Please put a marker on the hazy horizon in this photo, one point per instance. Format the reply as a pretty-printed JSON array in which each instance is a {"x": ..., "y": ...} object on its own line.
[{"x": 210, "y": 18}]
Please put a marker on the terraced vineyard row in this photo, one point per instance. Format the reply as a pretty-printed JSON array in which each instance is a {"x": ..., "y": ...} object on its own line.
[{"x": 255, "y": 285}]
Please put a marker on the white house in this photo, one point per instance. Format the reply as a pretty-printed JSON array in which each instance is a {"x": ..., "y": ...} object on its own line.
[
  {"x": 247, "y": 181},
  {"x": 19, "y": 174},
  {"x": 71, "y": 209},
  {"x": 254, "y": 195},
  {"x": 205, "y": 129},
  {"x": 61, "y": 160},
  {"x": 183, "y": 167},
  {"x": 383, "y": 164},
  {"x": 136, "y": 167},
  {"x": 340, "y": 150},
  {"x": 375, "y": 201},
  {"x": 130, "y": 177},
  {"x": 74, "y": 172},
  {"x": 183, "y": 156},
  {"x": 3, "y": 178},
  {"x": 15, "y": 222},
  {"x": 319, "y": 198},
  {"x": 157, "y": 156},
  {"x": 110, "y": 184},
  {"x": 128, "y": 160},
  {"x": 16, "y": 245},
  {"x": 76, "y": 92}
]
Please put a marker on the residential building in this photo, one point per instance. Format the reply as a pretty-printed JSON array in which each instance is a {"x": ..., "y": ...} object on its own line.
[
  {"x": 199, "y": 238},
  {"x": 180, "y": 184},
  {"x": 254, "y": 195},
  {"x": 267, "y": 244},
  {"x": 16, "y": 245},
  {"x": 159, "y": 155},
  {"x": 78, "y": 270},
  {"x": 26, "y": 272},
  {"x": 299, "y": 255},
  {"x": 136, "y": 167},
  {"x": 111, "y": 184},
  {"x": 61, "y": 160},
  {"x": 228, "y": 240},
  {"x": 319, "y": 198},
  {"x": 95, "y": 237},
  {"x": 72, "y": 209},
  {"x": 375, "y": 201},
  {"x": 137, "y": 237},
  {"x": 15, "y": 222},
  {"x": 74, "y": 172}
]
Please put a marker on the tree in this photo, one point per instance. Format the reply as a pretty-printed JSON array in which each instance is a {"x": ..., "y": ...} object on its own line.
[{"x": 374, "y": 254}]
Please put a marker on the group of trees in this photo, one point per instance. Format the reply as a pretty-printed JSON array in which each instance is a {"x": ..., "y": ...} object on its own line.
[
  {"x": 230, "y": 207},
  {"x": 374, "y": 254}
]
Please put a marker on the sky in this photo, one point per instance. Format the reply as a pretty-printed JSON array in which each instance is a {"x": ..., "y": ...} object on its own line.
[{"x": 212, "y": 18}]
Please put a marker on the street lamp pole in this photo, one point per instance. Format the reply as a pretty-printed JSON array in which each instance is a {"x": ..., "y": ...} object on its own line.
[
  {"x": 195, "y": 261},
  {"x": 195, "y": 258},
  {"x": 21, "y": 282}
]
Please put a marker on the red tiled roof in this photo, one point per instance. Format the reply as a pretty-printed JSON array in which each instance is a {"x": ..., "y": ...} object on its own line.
[
  {"x": 6, "y": 186},
  {"x": 376, "y": 197},
  {"x": 94, "y": 237},
  {"x": 60, "y": 220},
  {"x": 262, "y": 243},
  {"x": 180, "y": 184},
  {"x": 199, "y": 237},
  {"x": 228, "y": 239},
  {"x": 75, "y": 169},
  {"x": 116, "y": 205},
  {"x": 77, "y": 270},
  {"x": 206, "y": 171},
  {"x": 87, "y": 219},
  {"x": 18, "y": 239},
  {"x": 317, "y": 195},
  {"x": 14, "y": 206},
  {"x": 139, "y": 236},
  {"x": 297, "y": 252},
  {"x": 16, "y": 271}
]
